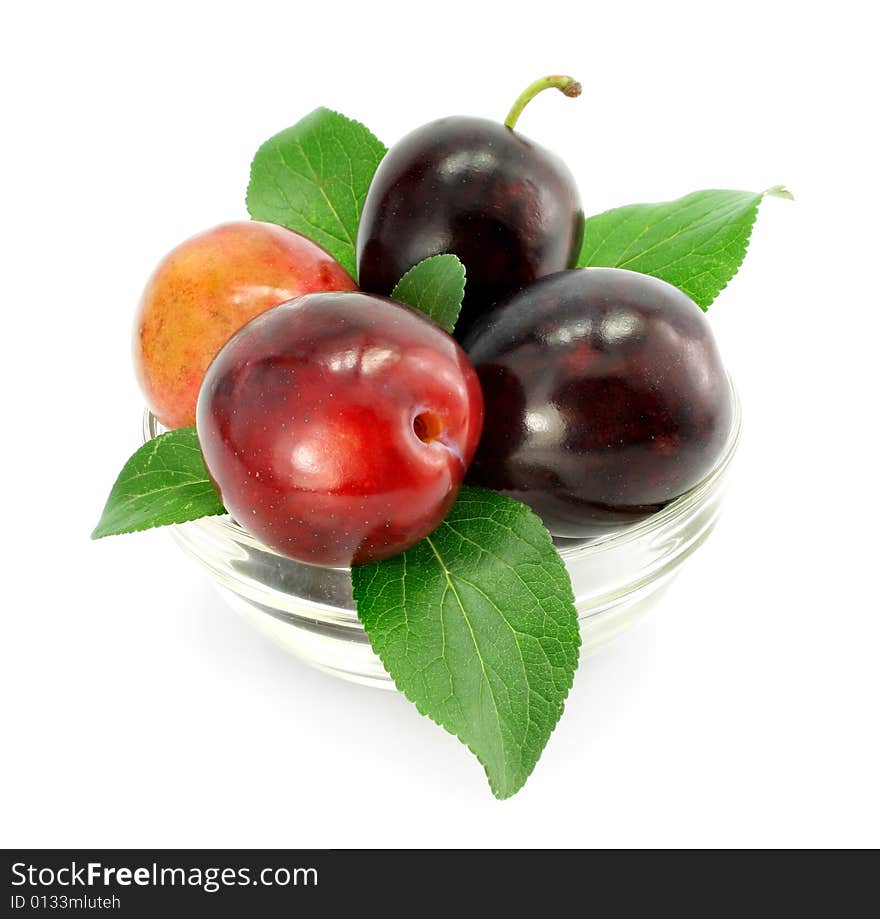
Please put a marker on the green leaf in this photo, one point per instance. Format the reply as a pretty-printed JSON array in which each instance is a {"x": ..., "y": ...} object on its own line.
[
  {"x": 435, "y": 287},
  {"x": 164, "y": 482},
  {"x": 696, "y": 242},
  {"x": 477, "y": 626},
  {"x": 313, "y": 178}
]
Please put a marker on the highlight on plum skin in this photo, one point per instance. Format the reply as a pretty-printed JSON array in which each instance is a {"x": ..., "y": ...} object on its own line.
[{"x": 338, "y": 427}]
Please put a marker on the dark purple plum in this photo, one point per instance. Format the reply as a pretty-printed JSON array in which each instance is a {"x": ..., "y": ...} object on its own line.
[
  {"x": 508, "y": 208},
  {"x": 605, "y": 398}
]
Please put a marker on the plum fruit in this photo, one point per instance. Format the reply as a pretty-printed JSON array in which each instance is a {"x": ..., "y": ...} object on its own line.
[
  {"x": 338, "y": 427},
  {"x": 204, "y": 291},
  {"x": 508, "y": 208},
  {"x": 605, "y": 398}
]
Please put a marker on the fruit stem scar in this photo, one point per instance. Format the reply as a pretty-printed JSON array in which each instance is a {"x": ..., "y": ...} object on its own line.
[
  {"x": 567, "y": 85},
  {"x": 427, "y": 427}
]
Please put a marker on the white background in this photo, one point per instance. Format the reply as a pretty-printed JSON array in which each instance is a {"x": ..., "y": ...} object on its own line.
[{"x": 138, "y": 711}]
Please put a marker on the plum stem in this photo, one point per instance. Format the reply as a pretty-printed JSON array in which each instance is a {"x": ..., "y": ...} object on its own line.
[{"x": 567, "y": 85}]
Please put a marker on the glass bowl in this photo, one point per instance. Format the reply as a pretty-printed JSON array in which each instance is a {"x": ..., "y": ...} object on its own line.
[{"x": 310, "y": 612}]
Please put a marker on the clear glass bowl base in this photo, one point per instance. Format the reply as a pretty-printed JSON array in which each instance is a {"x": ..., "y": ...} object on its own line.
[{"x": 309, "y": 611}]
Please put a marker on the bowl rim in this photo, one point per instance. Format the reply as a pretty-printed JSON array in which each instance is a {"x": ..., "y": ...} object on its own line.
[{"x": 673, "y": 511}]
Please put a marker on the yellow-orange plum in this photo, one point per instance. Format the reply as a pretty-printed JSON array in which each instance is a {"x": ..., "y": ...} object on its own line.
[{"x": 208, "y": 288}]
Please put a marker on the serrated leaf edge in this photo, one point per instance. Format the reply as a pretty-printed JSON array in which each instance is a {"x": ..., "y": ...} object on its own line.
[
  {"x": 100, "y": 532},
  {"x": 96, "y": 534},
  {"x": 321, "y": 109},
  {"x": 777, "y": 191},
  {"x": 501, "y": 796},
  {"x": 746, "y": 243},
  {"x": 431, "y": 258}
]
